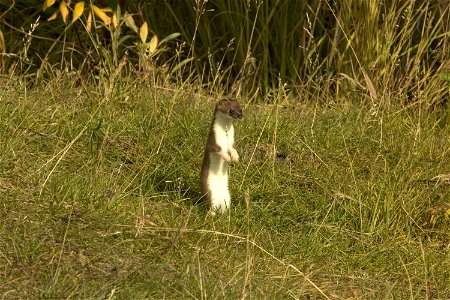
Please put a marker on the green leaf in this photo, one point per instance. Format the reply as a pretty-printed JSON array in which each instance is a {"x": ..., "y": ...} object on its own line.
[
  {"x": 169, "y": 37},
  {"x": 184, "y": 62}
]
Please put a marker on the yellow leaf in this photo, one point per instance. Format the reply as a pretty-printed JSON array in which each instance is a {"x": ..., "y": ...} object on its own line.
[
  {"x": 153, "y": 44},
  {"x": 53, "y": 16},
  {"x": 107, "y": 9},
  {"x": 143, "y": 32},
  {"x": 64, "y": 11},
  {"x": 47, "y": 4},
  {"x": 114, "y": 21},
  {"x": 78, "y": 11},
  {"x": 89, "y": 22},
  {"x": 130, "y": 22},
  {"x": 101, "y": 14}
]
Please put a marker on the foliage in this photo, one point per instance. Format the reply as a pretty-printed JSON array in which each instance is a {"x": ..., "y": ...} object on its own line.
[
  {"x": 103, "y": 29},
  {"x": 383, "y": 51}
]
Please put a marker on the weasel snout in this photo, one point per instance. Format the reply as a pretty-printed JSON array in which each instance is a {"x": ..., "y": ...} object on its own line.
[{"x": 236, "y": 113}]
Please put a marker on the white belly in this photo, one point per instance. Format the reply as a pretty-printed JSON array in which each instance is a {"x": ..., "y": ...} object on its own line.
[{"x": 218, "y": 183}]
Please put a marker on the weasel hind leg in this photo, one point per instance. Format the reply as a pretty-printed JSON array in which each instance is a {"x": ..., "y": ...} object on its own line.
[{"x": 220, "y": 203}]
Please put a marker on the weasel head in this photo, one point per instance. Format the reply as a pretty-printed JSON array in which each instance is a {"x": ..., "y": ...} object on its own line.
[{"x": 230, "y": 108}]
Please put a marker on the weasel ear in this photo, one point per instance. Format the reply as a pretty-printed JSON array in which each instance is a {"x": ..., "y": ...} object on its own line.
[{"x": 223, "y": 105}]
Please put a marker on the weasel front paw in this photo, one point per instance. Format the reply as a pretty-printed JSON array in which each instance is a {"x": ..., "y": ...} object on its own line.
[
  {"x": 225, "y": 156},
  {"x": 234, "y": 155}
]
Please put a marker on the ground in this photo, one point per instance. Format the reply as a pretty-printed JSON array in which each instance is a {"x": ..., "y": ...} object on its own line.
[{"x": 329, "y": 201}]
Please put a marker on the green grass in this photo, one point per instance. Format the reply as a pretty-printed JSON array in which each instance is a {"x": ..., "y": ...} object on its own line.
[{"x": 335, "y": 201}]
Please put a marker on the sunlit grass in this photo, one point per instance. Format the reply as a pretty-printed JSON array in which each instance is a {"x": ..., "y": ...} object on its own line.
[{"x": 98, "y": 199}]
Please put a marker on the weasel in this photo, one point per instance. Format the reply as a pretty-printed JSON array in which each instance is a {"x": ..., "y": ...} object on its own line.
[{"x": 219, "y": 152}]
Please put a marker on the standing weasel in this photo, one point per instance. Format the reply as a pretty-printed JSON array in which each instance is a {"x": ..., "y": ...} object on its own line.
[{"x": 219, "y": 153}]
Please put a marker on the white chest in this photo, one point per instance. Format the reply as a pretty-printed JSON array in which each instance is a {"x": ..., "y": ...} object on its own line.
[{"x": 224, "y": 136}]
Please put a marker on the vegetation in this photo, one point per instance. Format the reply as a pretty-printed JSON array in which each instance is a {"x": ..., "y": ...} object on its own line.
[
  {"x": 379, "y": 52},
  {"x": 342, "y": 191},
  {"x": 97, "y": 200}
]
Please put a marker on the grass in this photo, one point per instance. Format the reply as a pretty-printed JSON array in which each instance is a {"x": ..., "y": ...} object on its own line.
[{"x": 329, "y": 201}]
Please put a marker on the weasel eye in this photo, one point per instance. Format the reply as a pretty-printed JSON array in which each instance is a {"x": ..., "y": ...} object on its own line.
[{"x": 230, "y": 111}]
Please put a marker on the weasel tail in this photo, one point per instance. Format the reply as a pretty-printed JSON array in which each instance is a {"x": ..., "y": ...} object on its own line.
[{"x": 219, "y": 152}]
